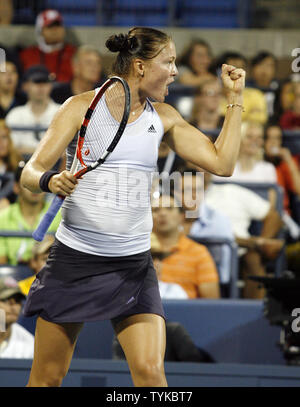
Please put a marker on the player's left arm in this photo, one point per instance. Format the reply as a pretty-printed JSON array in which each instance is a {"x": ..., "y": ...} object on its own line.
[{"x": 192, "y": 145}]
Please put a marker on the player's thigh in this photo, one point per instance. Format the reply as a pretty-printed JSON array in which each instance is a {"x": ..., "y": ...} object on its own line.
[
  {"x": 54, "y": 345},
  {"x": 143, "y": 339}
]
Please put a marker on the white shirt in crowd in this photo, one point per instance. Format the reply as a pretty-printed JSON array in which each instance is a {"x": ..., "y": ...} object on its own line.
[
  {"x": 22, "y": 116},
  {"x": 171, "y": 291},
  {"x": 240, "y": 204},
  {"x": 20, "y": 344},
  {"x": 263, "y": 172}
]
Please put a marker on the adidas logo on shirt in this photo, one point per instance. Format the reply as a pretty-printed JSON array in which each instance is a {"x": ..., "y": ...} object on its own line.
[{"x": 151, "y": 129}]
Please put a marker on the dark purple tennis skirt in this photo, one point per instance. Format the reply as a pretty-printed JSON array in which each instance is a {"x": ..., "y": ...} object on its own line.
[{"x": 80, "y": 287}]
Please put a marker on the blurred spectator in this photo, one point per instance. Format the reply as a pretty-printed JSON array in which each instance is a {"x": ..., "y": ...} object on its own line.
[
  {"x": 40, "y": 252},
  {"x": 16, "y": 341},
  {"x": 206, "y": 112},
  {"x": 22, "y": 216},
  {"x": 188, "y": 263},
  {"x": 51, "y": 51},
  {"x": 179, "y": 346},
  {"x": 251, "y": 167},
  {"x": 209, "y": 222},
  {"x": 87, "y": 74},
  {"x": 194, "y": 64},
  {"x": 167, "y": 290},
  {"x": 38, "y": 111},
  {"x": 254, "y": 100},
  {"x": 9, "y": 159},
  {"x": 263, "y": 73},
  {"x": 290, "y": 120},
  {"x": 231, "y": 58},
  {"x": 10, "y": 96},
  {"x": 287, "y": 166},
  {"x": 242, "y": 206},
  {"x": 6, "y": 12},
  {"x": 284, "y": 98}
]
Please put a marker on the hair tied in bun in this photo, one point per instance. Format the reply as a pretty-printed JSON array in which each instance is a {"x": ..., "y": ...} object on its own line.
[{"x": 121, "y": 42}]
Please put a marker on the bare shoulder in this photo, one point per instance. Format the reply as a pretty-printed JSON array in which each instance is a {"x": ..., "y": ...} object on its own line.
[
  {"x": 168, "y": 115},
  {"x": 78, "y": 103}
]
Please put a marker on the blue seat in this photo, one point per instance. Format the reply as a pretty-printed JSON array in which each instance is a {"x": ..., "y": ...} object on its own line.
[
  {"x": 135, "y": 13},
  {"x": 140, "y": 5},
  {"x": 61, "y": 5},
  {"x": 71, "y": 19},
  {"x": 128, "y": 19},
  {"x": 215, "y": 245},
  {"x": 215, "y": 13}
]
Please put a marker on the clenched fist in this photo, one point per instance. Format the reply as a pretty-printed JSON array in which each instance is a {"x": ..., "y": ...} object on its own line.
[{"x": 233, "y": 79}]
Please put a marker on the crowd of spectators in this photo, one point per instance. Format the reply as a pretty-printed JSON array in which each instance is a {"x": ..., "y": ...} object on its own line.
[{"x": 38, "y": 79}]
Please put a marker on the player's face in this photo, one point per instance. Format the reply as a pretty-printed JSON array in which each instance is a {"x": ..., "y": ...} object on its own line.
[{"x": 159, "y": 73}]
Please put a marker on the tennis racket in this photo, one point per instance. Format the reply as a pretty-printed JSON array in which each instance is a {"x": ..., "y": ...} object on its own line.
[{"x": 112, "y": 118}]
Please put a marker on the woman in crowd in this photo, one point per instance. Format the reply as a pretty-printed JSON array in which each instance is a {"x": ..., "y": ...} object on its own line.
[{"x": 195, "y": 63}]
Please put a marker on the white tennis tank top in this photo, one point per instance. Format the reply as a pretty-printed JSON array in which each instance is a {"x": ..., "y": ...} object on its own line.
[{"x": 109, "y": 213}]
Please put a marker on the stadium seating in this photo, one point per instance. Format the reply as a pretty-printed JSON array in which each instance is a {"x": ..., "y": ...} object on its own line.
[
  {"x": 215, "y": 13},
  {"x": 214, "y": 245},
  {"x": 76, "y": 12},
  {"x": 262, "y": 189},
  {"x": 135, "y": 12}
]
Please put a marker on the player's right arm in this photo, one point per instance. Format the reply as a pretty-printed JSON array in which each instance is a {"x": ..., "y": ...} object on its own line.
[{"x": 64, "y": 126}]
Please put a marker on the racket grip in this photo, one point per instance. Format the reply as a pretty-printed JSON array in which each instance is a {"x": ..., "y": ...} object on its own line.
[{"x": 47, "y": 219}]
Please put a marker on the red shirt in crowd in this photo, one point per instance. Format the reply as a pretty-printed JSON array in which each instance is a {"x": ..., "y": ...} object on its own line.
[
  {"x": 290, "y": 120},
  {"x": 57, "y": 62}
]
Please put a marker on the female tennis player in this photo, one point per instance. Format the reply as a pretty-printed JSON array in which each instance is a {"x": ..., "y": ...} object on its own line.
[{"x": 100, "y": 265}]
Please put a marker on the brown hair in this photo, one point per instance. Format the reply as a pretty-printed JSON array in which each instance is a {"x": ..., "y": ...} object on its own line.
[
  {"x": 140, "y": 42},
  {"x": 13, "y": 156},
  {"x": 186, "y": 55}
]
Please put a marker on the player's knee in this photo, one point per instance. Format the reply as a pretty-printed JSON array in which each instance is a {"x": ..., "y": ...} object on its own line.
[
  {"x": 149, "y": 372},
  {"x": 49, "y": 376}
]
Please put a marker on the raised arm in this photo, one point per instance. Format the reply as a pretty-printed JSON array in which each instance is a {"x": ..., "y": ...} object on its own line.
[
  {"x": 62, "y": 130},
  {"x": 192, "y": 145}
]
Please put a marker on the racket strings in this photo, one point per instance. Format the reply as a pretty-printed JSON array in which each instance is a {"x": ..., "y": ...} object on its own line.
[{"x": 104, "y": 124}]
